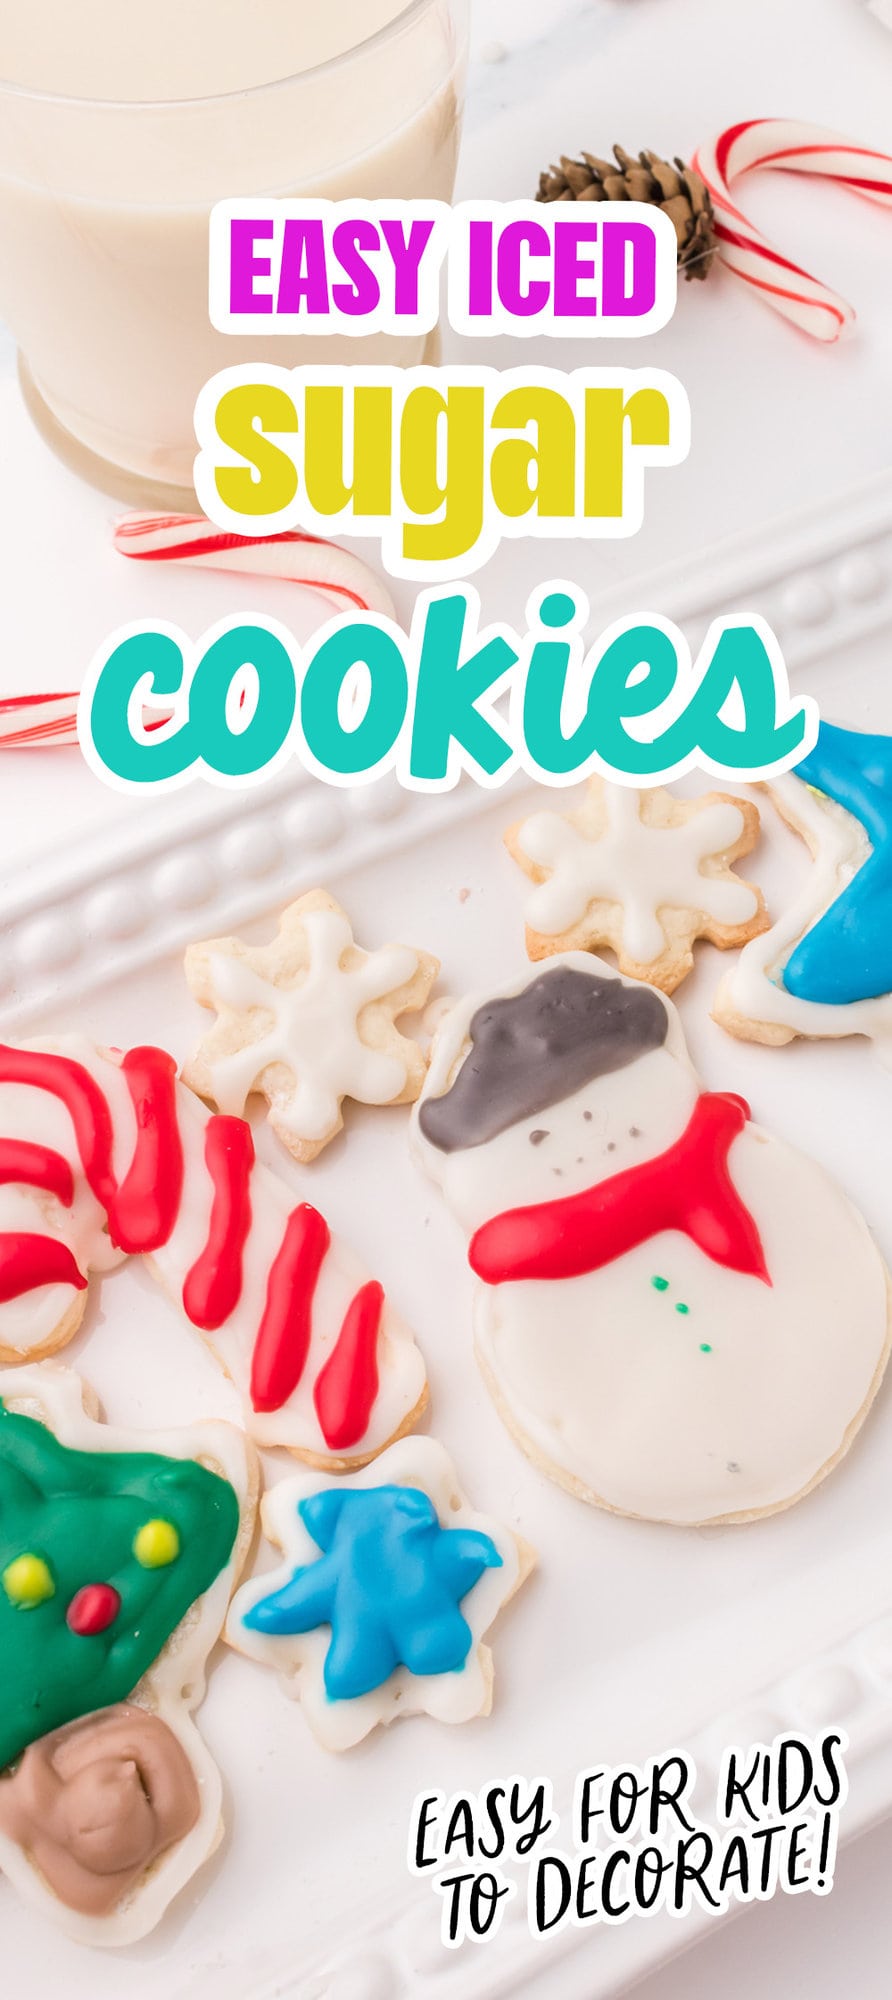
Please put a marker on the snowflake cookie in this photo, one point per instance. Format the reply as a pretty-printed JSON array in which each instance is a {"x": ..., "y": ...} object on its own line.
[
  {"x": 641, "y": 872},
  {"x": 388, "y": 1585},
  {"x": 307, "y": 1021}
]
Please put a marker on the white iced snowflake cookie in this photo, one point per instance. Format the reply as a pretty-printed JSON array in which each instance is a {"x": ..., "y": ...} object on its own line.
[
  {"x": 104, "y": 1156},
  {"x": 824, "y": 969},
  {"x": 388, "y": 1584},
  {"x": 307, "y": 1021},
  {"x": 678, "y": 1315},
  {"x": 119, "y": 1551},
  {"x": 641, "y": 872}
]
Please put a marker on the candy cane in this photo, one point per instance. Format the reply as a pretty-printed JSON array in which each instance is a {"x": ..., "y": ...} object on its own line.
[
  {"x": 799, "y": 149},
  {"x": 293, "y": 557},
  {"x": 29, "y": 721},
  {"x": 32, "y": 721},
  {"x": 103, "y": 1158}
]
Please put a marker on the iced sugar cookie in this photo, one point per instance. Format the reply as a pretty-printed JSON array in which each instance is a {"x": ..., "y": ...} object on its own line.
[
  {"x": 825, "y": 967},
  {"x": 678, "y": 1315},
  {"x": 388, "y": 1584},
  {"x": 118, "y": 1555},
  {"x": 104, "y": 1156},
  {"x": 307, "y": 1021},
  {"x": 642, "y": 872}
]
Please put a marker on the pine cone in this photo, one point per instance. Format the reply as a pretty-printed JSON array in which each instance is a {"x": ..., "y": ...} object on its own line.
[{"x": 671, "y": 186}]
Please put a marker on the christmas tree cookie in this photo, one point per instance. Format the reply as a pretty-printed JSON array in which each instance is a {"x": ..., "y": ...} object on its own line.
[
  {"x": 641, "y": 872},
  {"x": 388, "y": 1584},
  {"x": 118, "y": 1554},
  {"x": 678, "y": 1315}
]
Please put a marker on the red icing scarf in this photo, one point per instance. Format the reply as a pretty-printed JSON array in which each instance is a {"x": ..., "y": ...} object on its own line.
[{"x": 688, "y": 1188}]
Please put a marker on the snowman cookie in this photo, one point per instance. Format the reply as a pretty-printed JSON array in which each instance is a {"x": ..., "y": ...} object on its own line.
[
  {"x": 307, "y": 1021},
  {"x": 825, "y": 968},
  {"x": 388, "y": 1584},
  {"x": 118, "y": 1555},
  {"x": 107, "y": 1155},
  {"x": 641, "y": 872},
  {"x": 678, "y": 1316}
]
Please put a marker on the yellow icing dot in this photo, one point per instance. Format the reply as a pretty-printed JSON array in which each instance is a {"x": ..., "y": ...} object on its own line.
[
  {"x": 28, "y": 1582},
  {"x": 157, "y": 1544}
]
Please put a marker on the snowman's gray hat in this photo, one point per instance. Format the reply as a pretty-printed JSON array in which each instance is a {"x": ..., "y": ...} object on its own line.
[{"x": 532, "y": 1049}]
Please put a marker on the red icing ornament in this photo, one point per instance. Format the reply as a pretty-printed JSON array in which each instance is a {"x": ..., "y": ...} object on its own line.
[
  {"x": 93, "y": 1609},
  {"x": 283, "y": 1337},
  {"x": 213, "y": 1287},
  {"x": 345, "y": 1389},
  {"x": 687, "y": 1188}
]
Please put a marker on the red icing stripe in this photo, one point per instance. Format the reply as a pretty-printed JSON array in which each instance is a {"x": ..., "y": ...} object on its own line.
[
  {"x": 213, "y": 1287},
  {"x": 283, "y": 1337},
  {"x": 686, "y": 1188},
  {"x": 25, "y": 1165},
  {"x": 27, "y": 1261},
  {"x": 346, "y": 1387},
  {"x": 143, "y": 1210},
  {"x": 83, "y": 1100}
]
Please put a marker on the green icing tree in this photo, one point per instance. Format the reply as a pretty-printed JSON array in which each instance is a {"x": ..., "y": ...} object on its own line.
[{"x": 101, "y": 1555}]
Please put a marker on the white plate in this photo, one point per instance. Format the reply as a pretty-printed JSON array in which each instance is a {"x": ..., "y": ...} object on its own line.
[{"x": 630, "y": 1638}]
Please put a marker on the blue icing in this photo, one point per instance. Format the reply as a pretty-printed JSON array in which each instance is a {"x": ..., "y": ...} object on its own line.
[
  {"x": 847, "y": 954},
  {"x": 389, "y": 1583}
]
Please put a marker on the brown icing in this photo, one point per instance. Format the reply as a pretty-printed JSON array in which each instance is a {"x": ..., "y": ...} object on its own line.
[{"x": 95, "y": 1803}]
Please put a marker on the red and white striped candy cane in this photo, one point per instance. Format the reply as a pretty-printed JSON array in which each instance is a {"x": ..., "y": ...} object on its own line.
[
  {"x": 794, "y": 148},
  {"x": 293, "y": 557},
  {"x": 103, "y": 1157},
  {"x": 32, "y": 721}
]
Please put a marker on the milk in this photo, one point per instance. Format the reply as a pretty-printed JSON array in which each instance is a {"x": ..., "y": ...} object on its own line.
[{"x": 153, "y": 113}]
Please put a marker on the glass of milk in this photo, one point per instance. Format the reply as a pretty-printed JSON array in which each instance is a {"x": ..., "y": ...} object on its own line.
[{"x": 120, "y": 125}]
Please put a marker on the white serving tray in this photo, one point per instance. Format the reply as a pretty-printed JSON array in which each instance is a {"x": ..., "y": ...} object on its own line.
[{"x": 630, "y": 1638}]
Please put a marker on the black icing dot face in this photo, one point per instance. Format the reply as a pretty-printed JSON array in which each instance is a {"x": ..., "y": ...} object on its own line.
[
  {"x": 634, "y": 1131},
  {"x": 537, "y": 1137},
  {"x": 588, "y": 1117},
  {"x": 611, "y": 1145}
]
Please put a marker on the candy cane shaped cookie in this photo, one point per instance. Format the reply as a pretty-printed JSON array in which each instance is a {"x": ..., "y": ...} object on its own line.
[
  {"x": 796, "y": 148},
  {"x": 103, "y": 1157}
]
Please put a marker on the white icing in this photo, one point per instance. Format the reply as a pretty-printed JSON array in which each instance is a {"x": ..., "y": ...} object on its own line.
[
  {"x": 600, "y": 1376},
  {"x": 753, "y": 989},
  {"x": 29, "y": 1322},
  {"x": 644, "y": 869},
  {"x": 314, "y": 1028},
  {"x": 175, "y": 1683},
  {"x": 300, "y": 1657}
]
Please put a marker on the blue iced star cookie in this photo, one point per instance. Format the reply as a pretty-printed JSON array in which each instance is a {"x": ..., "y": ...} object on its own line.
[
  {"x": 389, "y": 1582},
  {"x": 847, "y": 955}
]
